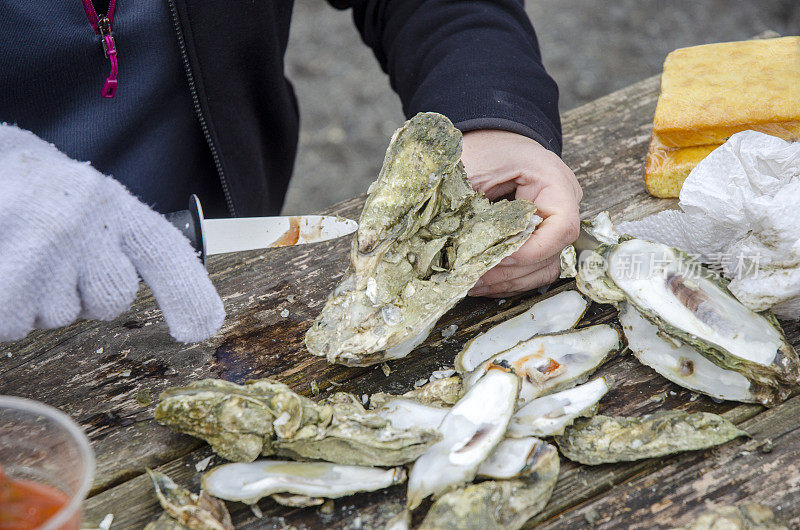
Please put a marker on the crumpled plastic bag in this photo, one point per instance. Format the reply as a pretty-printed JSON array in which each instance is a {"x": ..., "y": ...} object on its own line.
[{"x": 740, "y": 213}]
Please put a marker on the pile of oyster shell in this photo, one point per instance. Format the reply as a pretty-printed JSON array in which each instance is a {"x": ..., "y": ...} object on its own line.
[{"x": 474, "y": 442}]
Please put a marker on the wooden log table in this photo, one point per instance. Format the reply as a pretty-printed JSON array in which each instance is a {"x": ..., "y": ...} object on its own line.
[{"x": 108, "y": 375}]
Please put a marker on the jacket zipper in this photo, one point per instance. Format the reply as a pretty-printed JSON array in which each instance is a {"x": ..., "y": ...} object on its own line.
[
  {"x": 197, "y": 108},
  {"x": 102, "y": 26}
]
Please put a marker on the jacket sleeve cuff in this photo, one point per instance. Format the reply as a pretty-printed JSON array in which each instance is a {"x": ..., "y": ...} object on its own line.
[{"x": 498, "y": 110}]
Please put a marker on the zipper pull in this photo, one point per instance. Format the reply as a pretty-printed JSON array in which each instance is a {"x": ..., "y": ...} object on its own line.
[{"x": 109, "y": 48}]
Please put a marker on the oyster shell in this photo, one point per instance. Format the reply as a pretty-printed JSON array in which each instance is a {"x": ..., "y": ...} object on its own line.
[
  {"x": 514, "y": 457},
  {"x": 439, "y": 392},
  {"x": 556, "y": 313},
  {"x": 470, "y": 431},
  {"x": 569, "y": 262},
  {"x": 549, "y": 363},
  {"x": 684, "y": 365},
  {"x": 750, "y": 516},
  {"x": 549, "y": 415},
  {"x": 502, "y": 504},
  {"x": 263, "y": 417},
  {"x": 424, "y": 239},
  {"x": 408, "y": 413},
  {"x": 165, "y": 522},
  {"x": 251, "y": 481},
  {"x": 603, "y": 439},
  {"x": 691, "y": 303},
  {"x": 189, "y": 510}
]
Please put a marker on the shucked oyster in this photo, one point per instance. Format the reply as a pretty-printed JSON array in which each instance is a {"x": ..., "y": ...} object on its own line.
[
  {"x": 251, "y": 481},
  {"x": 424, "y": 239},
  {"x": 499, "y": 504},
  {"x": 692, "y": 304},
  {"x": 185, "y": 509},
  {"x": 603, "y": 439},
  {"x": 263, "y": 417},
  {"x": 556, "y": 313}
]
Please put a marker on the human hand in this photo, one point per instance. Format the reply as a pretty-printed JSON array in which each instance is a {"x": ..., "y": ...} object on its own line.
[
  {"x": 74, "y": 242},
  {"x": 500, "y": 163}
]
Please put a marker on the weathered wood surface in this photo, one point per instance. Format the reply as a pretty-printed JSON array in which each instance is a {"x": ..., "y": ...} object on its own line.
[{"x": 108, "y": 375}]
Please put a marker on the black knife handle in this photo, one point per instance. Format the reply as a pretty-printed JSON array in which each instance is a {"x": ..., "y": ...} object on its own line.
[{"x": 190, "y": 224}]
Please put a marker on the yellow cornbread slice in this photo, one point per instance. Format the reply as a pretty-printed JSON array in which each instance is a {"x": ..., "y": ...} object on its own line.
[
  {"x": 712, "y": 91},
  {"x": 666, "y": 169}
]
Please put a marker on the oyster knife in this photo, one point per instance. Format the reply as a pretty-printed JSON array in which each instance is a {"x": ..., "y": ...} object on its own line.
[{"x": 220, "y": 236}]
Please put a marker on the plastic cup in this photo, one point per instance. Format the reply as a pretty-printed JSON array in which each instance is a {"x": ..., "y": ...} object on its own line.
[{"x": 42, "y": 444}]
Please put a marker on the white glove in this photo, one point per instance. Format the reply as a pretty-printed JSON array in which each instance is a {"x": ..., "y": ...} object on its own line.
[{"x": 73, "y": 240}]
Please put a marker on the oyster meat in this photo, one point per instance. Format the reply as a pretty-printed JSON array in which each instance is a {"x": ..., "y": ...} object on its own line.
[
  {"x": 692, "y": 304},
  {"x": 556, "y": 313},
  {"x": 603, "y": 439},
  {"x": 187, "y": 509},
  {"x": 549, "y": 363},
  {"x": 470, "y": 432},
  {"x": 549, "y": 415},
  {"x": 248, "y": 482},
  {"x": 424, "y": 238},
  {"x": 684, "y": 365},
  {"x": 263, "y": 417},
  {"x": 502, "y": 504}
]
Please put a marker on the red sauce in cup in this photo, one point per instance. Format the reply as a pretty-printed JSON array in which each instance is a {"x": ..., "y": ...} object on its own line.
[{"x": 26, "y": 505}]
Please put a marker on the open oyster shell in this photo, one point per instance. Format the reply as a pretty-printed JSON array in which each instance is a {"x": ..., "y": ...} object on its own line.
[
  {"x": 684, "y": 365},
  {"x": 470, "y": 432},
  {"x": 550, "y": 415},
  {"x": 692, "y": 303},
  {"x": 424, "y": 238},
  {"x": 501, "y": 504},
  {"x": 603, "y": 439},
  {"x": 263, "y": 417},
  {"x": 556, "y": 313},
  {"x": 549, "y": 363},
  {"x": 514, "y": 457},
  {"x": 248, "y": 482},
  {"x": 185, "y": 509}
]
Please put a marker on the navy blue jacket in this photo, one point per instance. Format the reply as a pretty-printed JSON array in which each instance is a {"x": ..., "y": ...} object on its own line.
[{"x": 475, "y": 61}]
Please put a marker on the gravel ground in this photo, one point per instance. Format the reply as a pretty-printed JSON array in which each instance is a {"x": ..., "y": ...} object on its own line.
[{"x": 591, "y": 48}]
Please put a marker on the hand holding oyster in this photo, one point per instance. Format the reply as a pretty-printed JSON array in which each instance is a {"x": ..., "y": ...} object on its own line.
[{"x": 425, "y": 237}]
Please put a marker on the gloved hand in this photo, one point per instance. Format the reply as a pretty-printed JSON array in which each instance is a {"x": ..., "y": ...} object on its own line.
[{"x": 74, "y": 242}]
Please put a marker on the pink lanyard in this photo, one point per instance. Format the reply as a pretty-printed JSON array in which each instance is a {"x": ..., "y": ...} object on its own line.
[{"x": 102, "y": 26}]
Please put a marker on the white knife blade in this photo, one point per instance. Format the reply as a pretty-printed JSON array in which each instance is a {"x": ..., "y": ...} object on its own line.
[{"x": 249, "y": 233}]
